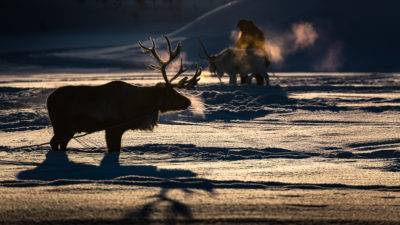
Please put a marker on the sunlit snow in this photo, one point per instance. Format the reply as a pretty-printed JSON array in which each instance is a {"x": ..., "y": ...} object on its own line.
[{"x": 326, "y": 142}]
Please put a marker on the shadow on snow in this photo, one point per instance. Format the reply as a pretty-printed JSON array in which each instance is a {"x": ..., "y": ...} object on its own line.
[
  {"x": 384, "y": 149},
  {"x": 58, "y": 170}
]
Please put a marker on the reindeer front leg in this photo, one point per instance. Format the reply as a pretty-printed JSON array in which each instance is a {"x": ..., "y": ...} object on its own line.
[
  {"x": 113, "y": 139},
  {"x": 232, "y": 79},
  {"x": 219, "y": 75},
  {"x": 266, "y": 78},
  {"x": 243, "y": 78}
]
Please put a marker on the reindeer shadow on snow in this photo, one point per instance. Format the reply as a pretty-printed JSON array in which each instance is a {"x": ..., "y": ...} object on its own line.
[
  {"x": 58, "y": 167},
  {"x": 57, "y": 170}
]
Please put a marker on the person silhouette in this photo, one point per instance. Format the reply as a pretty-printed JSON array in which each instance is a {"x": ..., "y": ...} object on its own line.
[{"x": 252, "y": 37}]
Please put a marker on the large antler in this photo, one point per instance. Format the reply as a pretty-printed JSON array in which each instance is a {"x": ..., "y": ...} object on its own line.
[
  {"x": 163, "y": 64},
  {"x": 184, "y": 82}
]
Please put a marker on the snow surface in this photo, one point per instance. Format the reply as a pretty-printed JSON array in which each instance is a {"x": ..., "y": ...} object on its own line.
[{"x": 314, "y": 148}]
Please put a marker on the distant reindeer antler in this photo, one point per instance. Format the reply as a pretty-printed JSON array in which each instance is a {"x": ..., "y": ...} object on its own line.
[
  {"x": 207, "y": 56},
  {"x": 184, "y": 82}
]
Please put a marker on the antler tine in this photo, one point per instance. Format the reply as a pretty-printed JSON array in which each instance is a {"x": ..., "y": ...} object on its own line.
[
  {"x": 163, "y": 64},
  {"x": 196, "y": 76},
  {"x": 172, "y": 54},
  {"x": 144, "y": 47},
  {"x": 152, "y": 50},
  {"x": 198, "y": 71},
  {"x": 168, "y": 44},
  {"x": 204, "y": 49},
  {"x": 181, "y": 70},
  {"x": 192, "y": 82}
]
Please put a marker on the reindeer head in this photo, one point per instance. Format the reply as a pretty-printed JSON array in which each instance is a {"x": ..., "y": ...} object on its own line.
[
  {"x": 212, "y": 65},
  {"x": 211, "y": 61},
  {"x": 172, "y": 100}
]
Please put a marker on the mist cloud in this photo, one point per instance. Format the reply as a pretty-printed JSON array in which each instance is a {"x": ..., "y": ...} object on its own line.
[
  {"x": 275, "y": 52},
  {"x": 197, "y": 108},
  {"x": 175, "y": 65},
  {"x": 235, "y": 35},
  {"x": 305, "y": 35},
  {"x": 302, "y": 36},
  {"x": 332, "y": 60}
]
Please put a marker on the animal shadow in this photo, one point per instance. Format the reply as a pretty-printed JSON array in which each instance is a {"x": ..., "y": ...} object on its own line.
[
  {"x": 57, "y": 166},
  {"x": 57, "y": 169}
]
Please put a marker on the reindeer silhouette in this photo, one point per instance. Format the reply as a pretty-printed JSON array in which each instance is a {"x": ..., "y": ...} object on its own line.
[
  {"x": 116, "y": 106},
  {"x": 234, "y": 61}
]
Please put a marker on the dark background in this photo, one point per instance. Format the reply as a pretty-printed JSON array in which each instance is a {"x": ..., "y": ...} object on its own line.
[{"x": 368, "y": 31}]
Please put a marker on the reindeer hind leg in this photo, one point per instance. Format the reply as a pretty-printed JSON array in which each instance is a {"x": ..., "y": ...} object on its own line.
[
  {"x": 259, "y": 79},
  {"x": 232, "y": 79},
  {"x": 64, "y": 142},
  {"x": 243, "y": 78}
]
